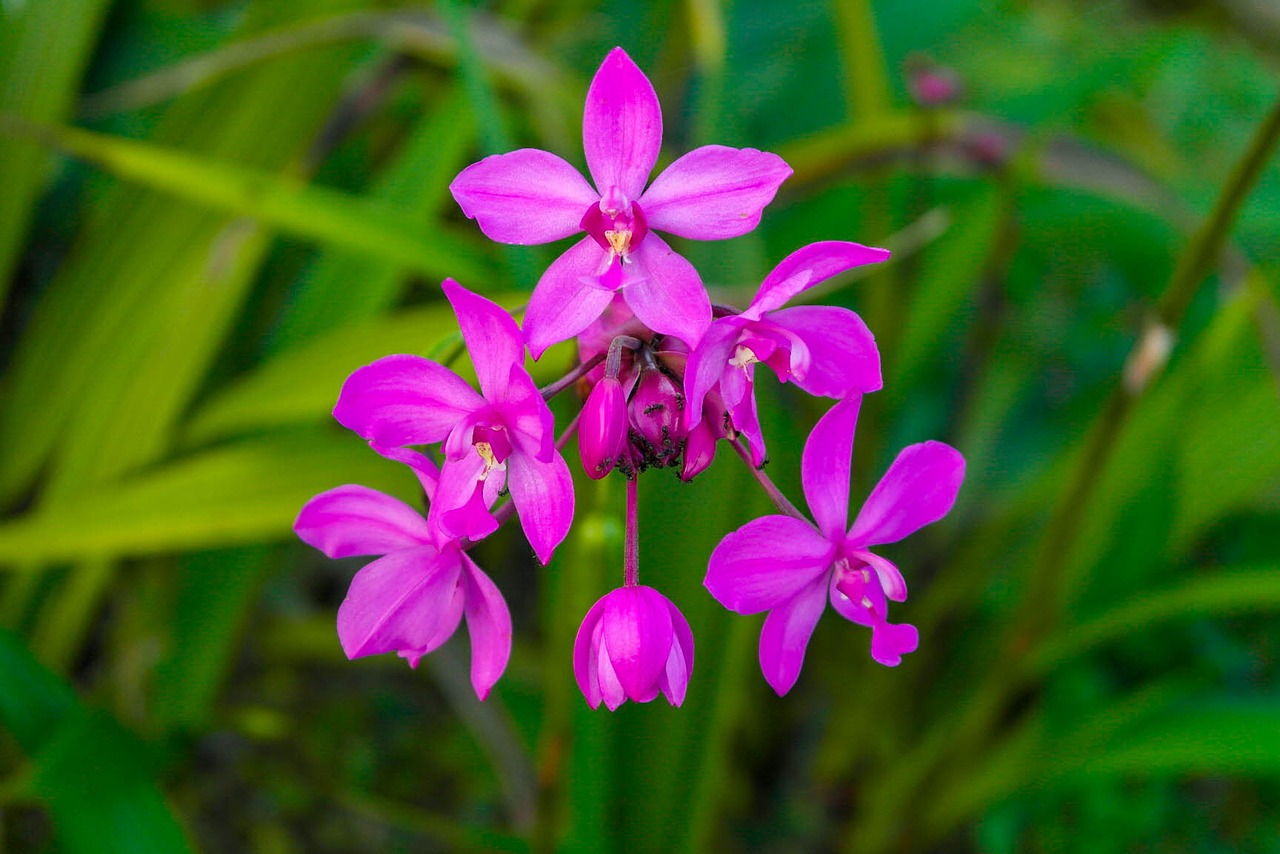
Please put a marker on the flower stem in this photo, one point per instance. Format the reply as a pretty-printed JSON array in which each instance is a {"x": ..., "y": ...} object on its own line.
[
  {"x": 631, "y": 557},
  {"x": 550, "y": 391},
  {"x": 775, "y": 495}
]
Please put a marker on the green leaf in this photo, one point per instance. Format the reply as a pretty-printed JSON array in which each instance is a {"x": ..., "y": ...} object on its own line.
[
  {"x": 310, "y": 211},
  {"x": 43, "y": 50},
  {"x": 302, "y": 384},
  {"x": 1234, "y": 591},
  {"x": 947, "y": 279},
  {"x": 244, "y": 493},
  {"x": 91, "y": 771}
]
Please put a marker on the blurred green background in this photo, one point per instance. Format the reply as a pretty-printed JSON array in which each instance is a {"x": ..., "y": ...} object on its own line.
[{"x": 211, "y": 212}]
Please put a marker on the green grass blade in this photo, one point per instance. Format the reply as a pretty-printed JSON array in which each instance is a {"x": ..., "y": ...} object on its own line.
[{"x": 310, "y": 211}]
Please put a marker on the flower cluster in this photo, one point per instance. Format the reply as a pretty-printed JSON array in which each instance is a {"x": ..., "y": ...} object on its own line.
[{"x": 666, "y": 378}]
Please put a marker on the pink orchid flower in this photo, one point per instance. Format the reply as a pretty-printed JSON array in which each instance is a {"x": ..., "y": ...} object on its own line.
[
  {"x": 791, "y": 568},
  {"x": 412, "y": 598},
  {"x": 501, "y": 439},
  {"x": 633, "y": 644},
  {"x": 825, "y": 350},
  {"x": 531, "y": 196}
]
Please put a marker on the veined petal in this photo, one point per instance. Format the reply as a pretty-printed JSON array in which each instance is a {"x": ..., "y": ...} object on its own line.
[
  {"x": 427, "y": 472},
  {"x": 843, "y": 357},
  {"x": 621, "y": 126},
  {"x": 786, "y": 634},
  {"x": 708, "y": 361},
  {"x": 525, "y": 197},
  {"x": 889, "y": 641},
  {"x": 824, "y": 466},
  {"x": 493, "y": 340},
  {"x": 564, "y": 303},
  {"x": 714, "y": 192},
  {"x": 444, "y": 629},
  {"x": 918, "y": 489},
  {"x": 746, "y": 420},
  {"x": 527, "y": 416},
  {"x": 638, "y": 636},
  {"x": 666, "y": 292},
  {"x": 489, "y": 624},
  {"x": 766, "y": 562},
  {"x": 404, "y": 400},
  {"x": 356, "y": 520},
  {"x": 675, "y": 678},
  {"x": 586, "y": 652},
  {"x": 398, "y": 602},
  {"x": 806, "y": 267},
  {"x": 543, "y": 493},
  {"x": 460, "y": 509}
]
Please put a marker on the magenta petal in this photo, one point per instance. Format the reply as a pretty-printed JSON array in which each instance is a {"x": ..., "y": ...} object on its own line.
[
  {"x": 714, "y": 192},
  {"x": 489, "y": 624},
  {"x": 666, "y": 293},
  {"x": 890, "y": 578},
  {"x": 355, "y": 520},
  {"x": 606, "y": 678},
  {"x": 843, "y": 357},
  {"x": 891, "y": 641},
  {"x": 638, "y": 636},
  {"x": 918, "y": 489},
  {"x": 427, "y": 472},
  {"x": 586, "y": 652},
  {"x": 766, "y": 562},
  {"x": 460, "y": 509},
  {"x": 525, "y": 197},
  {"x": 675, "y": 678},
  {"x": 708, "y": 361},
  {"x": 824, "y": 466},
  {"x": 806, "y": 267},
  {"x": 543, "y": 493},
  {"x": 621, "y": 126},
  {"x": 447, "y": 625},
  {"x": 564, "y": 302},
  {"x": 786, "y": 634},
  {"x": 398, "y": 602},
  {"x": 404, "y": 400},
  {"x": 493, "y": 340}
]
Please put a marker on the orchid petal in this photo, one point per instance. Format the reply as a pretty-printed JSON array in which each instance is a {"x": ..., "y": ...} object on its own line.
[
  {"x": 459, "y": 509},
  {"x": 444, "y": 630},
  {"x": 621, "y": 126},
  {"x": 714, "y": 192},
  {"x": 493, "y": 340},
  {"x": 786, "y": 634},
  {"x": 666, "y": 293},
  {"x": 824, "y": 466},
  {"x": 355, "y": 520},
  {"x": 489, "y": 624},
  {"x": 543, "y": 493},
  {"x": 424, "y": 468},
  {"x": 843, "y": 357},
  {"x": 766, "y": 562},
  {"x": 404, "y": 400},
  {"x": 891, "y": 641},
  {"x": 806, "y": 267},
  {"x": 708, "y": 361},
  {"x": 638, "y": 636},
  {"x": 564, "y": 303},
  {"x": 585, "y": 654},
  {"x": 606, "y": 677},
  {"x": 398, "y": 602},
  {"x": 675, "y": 678},
  {"x": 887, "y": 573},
  {"x": 918, "y": 489},
  {"x": 525, "y": 197},
  {"x": 746, "y": 420},
  {"x": 527, "y": 417}
]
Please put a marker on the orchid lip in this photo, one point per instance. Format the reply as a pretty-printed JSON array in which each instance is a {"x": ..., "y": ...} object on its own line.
[{"x": 619, "y": 231}]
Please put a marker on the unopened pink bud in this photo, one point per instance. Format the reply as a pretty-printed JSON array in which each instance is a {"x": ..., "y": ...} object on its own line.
[
  {"x": 602, "y": 431},
  {"x": 699, "y": 450},
  {"x": 656, "y": 413}
]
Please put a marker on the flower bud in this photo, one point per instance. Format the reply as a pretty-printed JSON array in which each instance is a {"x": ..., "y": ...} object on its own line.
[
  {"x": 656, "y": 413},
  {"x": 633, "y": 644},
  {"x": 602, "y": 430}
]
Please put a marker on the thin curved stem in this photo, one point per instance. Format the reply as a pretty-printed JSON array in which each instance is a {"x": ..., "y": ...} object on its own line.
[{"x": 775, "y": 494}]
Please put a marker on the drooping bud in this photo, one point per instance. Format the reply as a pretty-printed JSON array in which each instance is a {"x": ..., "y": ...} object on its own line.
[
  {"x": 656, "y": 413},
  {"x": 699, "y": 450},
  {"x": 602, "y": 431}
]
